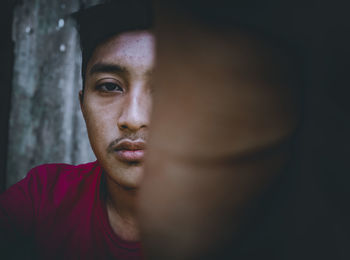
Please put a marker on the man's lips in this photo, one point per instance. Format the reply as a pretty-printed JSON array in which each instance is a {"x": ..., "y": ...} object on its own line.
[{"x": 129, "y": 151}]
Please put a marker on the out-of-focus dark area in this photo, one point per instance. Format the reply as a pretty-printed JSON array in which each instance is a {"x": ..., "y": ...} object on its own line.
[{"x": 304, "y": 214}]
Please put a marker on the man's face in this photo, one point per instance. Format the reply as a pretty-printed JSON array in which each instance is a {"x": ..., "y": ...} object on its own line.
[{"x": 117, "y": 103}]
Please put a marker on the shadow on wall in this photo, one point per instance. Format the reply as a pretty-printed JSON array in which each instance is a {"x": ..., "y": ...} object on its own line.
[{"x": 6, "y": 63}]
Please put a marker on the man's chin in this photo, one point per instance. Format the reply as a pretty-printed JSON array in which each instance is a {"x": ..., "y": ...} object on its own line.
[{"x": 129, "y": 177}]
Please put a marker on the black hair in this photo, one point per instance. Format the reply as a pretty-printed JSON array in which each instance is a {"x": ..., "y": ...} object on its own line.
[{"x": 99, "y": 23}]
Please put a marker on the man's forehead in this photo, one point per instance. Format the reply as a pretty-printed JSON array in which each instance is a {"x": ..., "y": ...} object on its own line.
[
  {"x": 132, "y": 39},
  {"x": 131, "y": 49}
]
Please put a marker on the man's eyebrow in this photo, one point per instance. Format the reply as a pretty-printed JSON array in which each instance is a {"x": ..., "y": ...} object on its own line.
[{"x": 107, "y": 67}]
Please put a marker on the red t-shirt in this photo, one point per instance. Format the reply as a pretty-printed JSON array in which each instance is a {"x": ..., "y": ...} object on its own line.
[{"x": 59, "y": 210}]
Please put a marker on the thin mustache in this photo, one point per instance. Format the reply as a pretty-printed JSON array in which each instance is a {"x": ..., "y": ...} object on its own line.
[{"x": 130, "y": 137}]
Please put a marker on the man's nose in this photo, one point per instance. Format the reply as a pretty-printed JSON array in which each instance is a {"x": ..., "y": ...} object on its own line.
[{"x": 135, "y": 112}]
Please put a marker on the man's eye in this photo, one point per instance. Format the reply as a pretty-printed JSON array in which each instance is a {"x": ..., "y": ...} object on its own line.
[{"x": 109, "y": 86}]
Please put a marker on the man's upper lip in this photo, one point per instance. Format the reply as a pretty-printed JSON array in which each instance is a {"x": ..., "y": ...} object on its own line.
[{"x": 130, "y": 145}]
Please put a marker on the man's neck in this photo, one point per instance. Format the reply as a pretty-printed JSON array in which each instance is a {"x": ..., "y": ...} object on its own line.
[{"x": 121, "y": 211}]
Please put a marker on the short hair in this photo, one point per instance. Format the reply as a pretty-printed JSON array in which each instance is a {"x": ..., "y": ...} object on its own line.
[{"x": 99, "y": 23}]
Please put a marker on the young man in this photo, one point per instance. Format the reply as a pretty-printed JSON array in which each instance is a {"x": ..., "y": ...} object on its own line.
[{"x": 88, "y": 211}]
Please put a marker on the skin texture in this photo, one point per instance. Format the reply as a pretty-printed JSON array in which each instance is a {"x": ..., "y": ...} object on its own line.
[
  {"x": 116, "y": 107},
  {"x": 220, "y": 134}
]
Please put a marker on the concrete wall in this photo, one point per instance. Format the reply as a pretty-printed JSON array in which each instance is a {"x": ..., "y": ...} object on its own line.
[{"x": 46, "y": 124}]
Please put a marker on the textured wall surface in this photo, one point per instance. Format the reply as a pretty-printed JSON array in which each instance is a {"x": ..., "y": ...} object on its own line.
[{"x": 46, "y": 124}]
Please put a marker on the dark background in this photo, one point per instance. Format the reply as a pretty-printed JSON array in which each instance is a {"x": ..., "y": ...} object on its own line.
[{"x": 6, "y": 65}]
